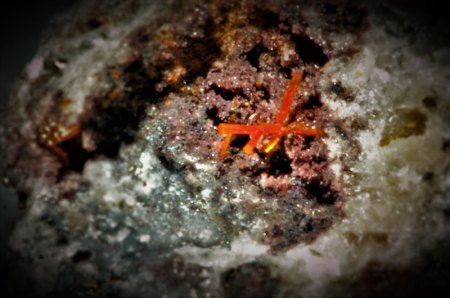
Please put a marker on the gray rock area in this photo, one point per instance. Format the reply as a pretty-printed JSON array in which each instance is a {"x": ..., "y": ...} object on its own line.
[{"x": 231, "y": 149}]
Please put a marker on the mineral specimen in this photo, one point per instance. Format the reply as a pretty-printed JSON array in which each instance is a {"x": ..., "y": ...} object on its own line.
[{"x": 114, "y": 142}]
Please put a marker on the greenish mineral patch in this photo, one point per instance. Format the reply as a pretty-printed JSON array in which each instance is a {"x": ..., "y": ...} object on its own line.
[{"x": 404, "y": 123}]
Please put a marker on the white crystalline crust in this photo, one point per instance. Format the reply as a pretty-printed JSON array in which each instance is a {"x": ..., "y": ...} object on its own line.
[{"x": 389, "y": 196}]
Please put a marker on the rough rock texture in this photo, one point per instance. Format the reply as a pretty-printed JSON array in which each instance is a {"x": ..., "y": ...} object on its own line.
[{"x": 112, "y": 147}]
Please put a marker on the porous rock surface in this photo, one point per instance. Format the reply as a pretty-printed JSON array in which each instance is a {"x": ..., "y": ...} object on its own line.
[{"x": 112, "y": 146}]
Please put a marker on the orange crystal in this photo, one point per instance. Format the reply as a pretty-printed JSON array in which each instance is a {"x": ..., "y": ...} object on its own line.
[{"x": 275, "y": 131}]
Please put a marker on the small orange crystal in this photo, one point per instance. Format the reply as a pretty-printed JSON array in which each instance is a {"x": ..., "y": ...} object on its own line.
[{"x": 275, "y": 131}]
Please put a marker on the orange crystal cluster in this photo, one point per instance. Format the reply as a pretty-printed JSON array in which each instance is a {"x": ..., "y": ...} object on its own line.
[{"x": 275, "y": 131}]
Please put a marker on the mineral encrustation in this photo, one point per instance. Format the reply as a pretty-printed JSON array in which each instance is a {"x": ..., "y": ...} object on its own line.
[{"x": 110, "y": 141}]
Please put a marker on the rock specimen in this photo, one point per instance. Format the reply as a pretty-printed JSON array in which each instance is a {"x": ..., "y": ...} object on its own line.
[{"x": 224, "y": 149}]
